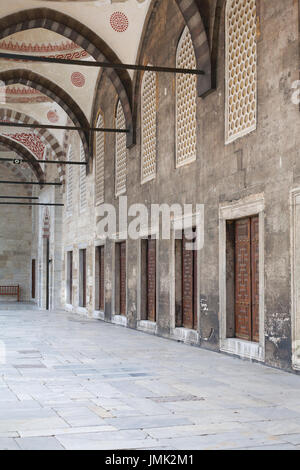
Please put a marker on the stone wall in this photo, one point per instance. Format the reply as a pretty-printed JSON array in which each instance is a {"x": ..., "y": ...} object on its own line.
[
  {"x": 264, "y": 162},
  {"x": 15, "y": 241}
]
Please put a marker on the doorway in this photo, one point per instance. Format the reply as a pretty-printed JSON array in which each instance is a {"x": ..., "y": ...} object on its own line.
[{"x": 185, "y": 284}]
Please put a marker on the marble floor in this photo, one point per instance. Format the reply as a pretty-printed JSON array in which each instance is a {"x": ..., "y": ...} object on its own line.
[{"x": 67, "y": 382}]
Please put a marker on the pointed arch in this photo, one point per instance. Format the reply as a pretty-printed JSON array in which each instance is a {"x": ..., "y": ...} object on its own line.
[
  {"x": 71, "y": 28},
  {"x": 186, "y": 102},
  {"x": 120, "y": 153},
  {"x": 24, "y": 153},
  {"x": 240, "y": 68},
  {"x": 99, "y": 161},
  {"x": 193, "y": 18},
  {"x": 149, "y": 100},
  {"x": 48, "y": 138},
  {"x": 19, "y": 174},
  {"x": 61, "y": 97}
]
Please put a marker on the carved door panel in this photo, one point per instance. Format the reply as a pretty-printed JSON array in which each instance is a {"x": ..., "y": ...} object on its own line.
[
  {"x": 243, "y": 279},
  {"x": 101, "y": 277},
  {"x": 123, "y": 278},
  {"x": 255, "y": 277},
  {"x": 151, "y": 280},
  {"x": 247, "y": 279}
]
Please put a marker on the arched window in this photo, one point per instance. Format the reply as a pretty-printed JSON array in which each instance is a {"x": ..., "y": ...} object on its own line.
[
  {"x": 148, "y": 126},
  {"x": 120, "y": 152},
  {"x": 186, "y": 101},
  {"x": 241, "y": 64},
  {"x": 99, "y": 162},
  {"x": 82, "y": 181},
  {"x": 69, "y": 204}
]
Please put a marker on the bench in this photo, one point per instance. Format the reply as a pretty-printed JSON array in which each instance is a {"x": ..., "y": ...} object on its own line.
[{"x": 10, "y": 291}]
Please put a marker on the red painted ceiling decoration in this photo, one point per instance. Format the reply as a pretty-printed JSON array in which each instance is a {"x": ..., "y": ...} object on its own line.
[
  {"x": 78, "y": 79},
  {"x": 38, "y": 48},
  {"x": 20, "y": 94},
  {"x": 32, "y": 141},
  {"x": 65, "y": 50},
  {"x": 119, "y": 22},
  {"x": 52, "y": 116}
]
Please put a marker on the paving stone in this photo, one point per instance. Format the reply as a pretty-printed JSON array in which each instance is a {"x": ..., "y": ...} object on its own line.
[
  {"x": 91, "y": 395},
  {"x": 143, "y": 422},
  {"x": 39, "y": 443},
  {"x": 8, "y": 444}
]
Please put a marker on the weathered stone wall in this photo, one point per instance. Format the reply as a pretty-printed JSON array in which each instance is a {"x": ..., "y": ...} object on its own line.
[
  {"x": 263, "y": 162},
  {"x": 15, "y": 241}
]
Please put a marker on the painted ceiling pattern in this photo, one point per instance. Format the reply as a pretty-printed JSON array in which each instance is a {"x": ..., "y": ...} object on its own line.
[
  {"x": 31, "y": 141},
  {"x": 118, "y": 22}
]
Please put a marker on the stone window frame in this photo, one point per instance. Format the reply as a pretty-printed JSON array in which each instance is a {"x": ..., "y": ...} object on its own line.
[
  {"x": 146, "y": 325},
  {"x": 100, "y": 201},
  {"x": 118, "y": 136},
  {"x": 82, "y": 180},
  {"x": 247, "y": 207},
  {"x": 180, "y": 333},
  {"x": 70, "y": 187},
  {"x": 193, "y": 158},
  {"x": 152, "y": 176}
]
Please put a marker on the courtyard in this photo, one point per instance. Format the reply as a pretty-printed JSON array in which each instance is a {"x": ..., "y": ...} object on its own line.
[{"x": 69, "y": 382}]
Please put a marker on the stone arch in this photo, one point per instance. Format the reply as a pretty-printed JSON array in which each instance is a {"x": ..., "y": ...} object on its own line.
[
  {"x": 18, "y": 174},
  {"x": 48, "y": 138},
  {"x": 80, "y": 34},
  {"x": 24, "y": 153},
  {"x": 193, "y": 18},
  {"x": 44, "y": 134},
  {"x": 61, "y": 97}
]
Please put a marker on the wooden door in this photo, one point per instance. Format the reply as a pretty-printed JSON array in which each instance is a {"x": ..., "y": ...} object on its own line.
[
  {"x": 33, "y": 279},
  {"x": 83, "y": 277},
  {"x": 151, "y": 280},
  {"x": 255, "y": 277},
  {"x": 70, "y": 277},
  {"x": 189, "y": 286},
  {"x": 101, "y": 277},
  {"x": 123, "y": 278},
  {"x": 247, "y": 279}
]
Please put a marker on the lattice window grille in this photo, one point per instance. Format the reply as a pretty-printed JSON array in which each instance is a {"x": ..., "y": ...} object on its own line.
[
  {"x": 241, "y": 68},
  {"x": 99, "y": 173},
  {"x": 148, "y": 125},
  {"x": 82, "y": 181},
  {"x": 69, "y": 205},
  {"x": 120, "y": 153},
  {"x": 186, "y": 102}
]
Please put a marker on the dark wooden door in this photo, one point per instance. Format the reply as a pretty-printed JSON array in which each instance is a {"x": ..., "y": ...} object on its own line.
[
  {"x": 70, "y": 277},
  {"x": 151, "y": 280},
  {"x": 255, "y": 277},
  {"x": 246, "y": 279},
  {"x": 84, "y": 278},
  {"x": 189, "y": 286},
  {"x": 101, "y": 277},
  {"x": 123, "y": 278},
  {"x": 47, "y": 274},
  {"x": 33, "y": 279}
]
